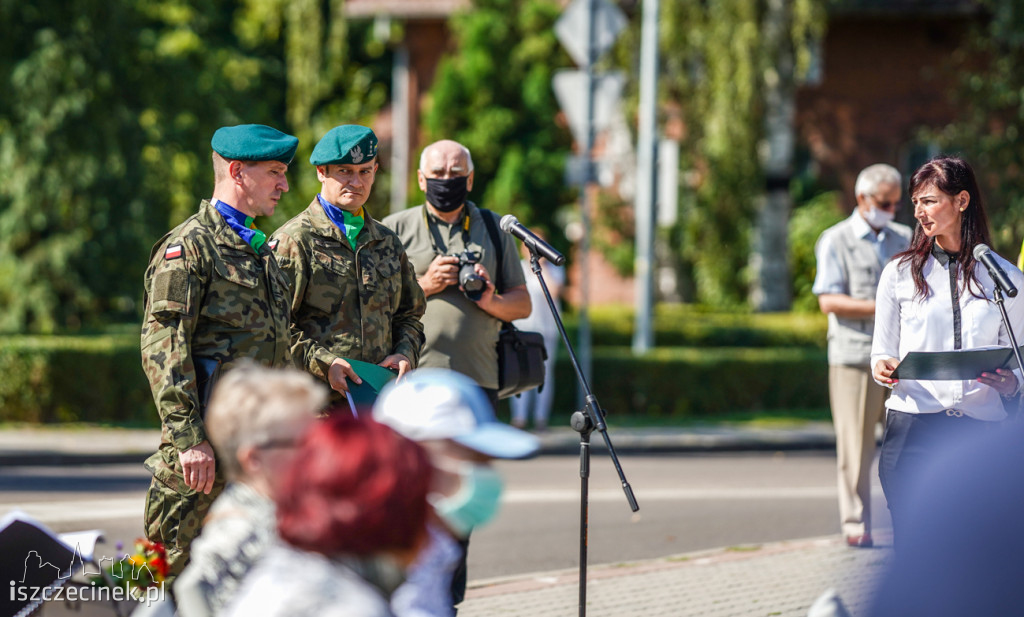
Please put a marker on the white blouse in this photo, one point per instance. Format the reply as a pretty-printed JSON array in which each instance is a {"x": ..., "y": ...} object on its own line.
[{"x": 904, "y": 323}]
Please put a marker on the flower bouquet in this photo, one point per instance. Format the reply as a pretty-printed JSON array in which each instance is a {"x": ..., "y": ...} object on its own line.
[{"x": 142, "y": 569}]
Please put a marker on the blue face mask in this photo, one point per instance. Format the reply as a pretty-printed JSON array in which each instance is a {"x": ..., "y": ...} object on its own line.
[{"x": 475, "y": 503}]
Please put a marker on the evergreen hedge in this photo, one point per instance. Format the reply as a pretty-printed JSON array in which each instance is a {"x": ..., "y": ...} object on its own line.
[
  {"x": 706, "y": 364},
  {"x": 694, "y": 382},
  {"x": 94, "y": 378}
]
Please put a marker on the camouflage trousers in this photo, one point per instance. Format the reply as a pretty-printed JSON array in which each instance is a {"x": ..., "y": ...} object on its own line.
[{"x": 175, "y": 513}]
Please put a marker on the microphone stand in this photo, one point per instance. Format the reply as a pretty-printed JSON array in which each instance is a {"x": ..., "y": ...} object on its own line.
[
  {"x": 1013, "y": 339},
  {"x": 583, "y": 422}
]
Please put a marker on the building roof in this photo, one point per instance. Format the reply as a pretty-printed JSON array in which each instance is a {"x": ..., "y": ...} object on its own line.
[{"x": 404, "y": 9}]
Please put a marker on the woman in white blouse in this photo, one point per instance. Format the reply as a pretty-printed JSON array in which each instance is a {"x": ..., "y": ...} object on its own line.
[{"x": 936, "y": 297}]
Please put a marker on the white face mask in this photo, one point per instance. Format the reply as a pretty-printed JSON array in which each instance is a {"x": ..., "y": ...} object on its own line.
[{"x": 878, "y": 218}]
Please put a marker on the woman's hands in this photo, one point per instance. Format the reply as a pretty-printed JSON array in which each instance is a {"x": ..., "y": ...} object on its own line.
[
  {"x": 1003, "y": 381},
  {"x": 883, "y": 370}
]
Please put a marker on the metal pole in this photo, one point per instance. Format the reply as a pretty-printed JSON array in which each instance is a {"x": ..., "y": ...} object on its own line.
[
  {"x": 646, "y": 174},
  {"x": 400, "y": 129},
  {"x": 588, "y": 172}
]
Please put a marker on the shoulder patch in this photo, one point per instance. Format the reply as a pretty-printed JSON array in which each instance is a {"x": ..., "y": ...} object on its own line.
[
  {"x": 273, "y": 244},
  {"x": 173, "y": 251}
]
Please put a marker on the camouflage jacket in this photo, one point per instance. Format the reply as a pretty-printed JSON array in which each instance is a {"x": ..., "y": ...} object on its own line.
[
  {"x": 363, "y": 304},
  {"x": 210, "y": 300}
]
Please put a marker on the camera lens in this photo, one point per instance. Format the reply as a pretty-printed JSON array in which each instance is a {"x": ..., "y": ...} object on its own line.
[{"x": 473, "y": 284}]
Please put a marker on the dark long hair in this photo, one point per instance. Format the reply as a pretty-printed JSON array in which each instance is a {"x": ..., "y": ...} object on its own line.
[{"x": 950, "y": 175}]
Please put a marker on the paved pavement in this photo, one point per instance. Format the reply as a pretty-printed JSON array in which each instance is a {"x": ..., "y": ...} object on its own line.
[{"x": 781, "y": 579}]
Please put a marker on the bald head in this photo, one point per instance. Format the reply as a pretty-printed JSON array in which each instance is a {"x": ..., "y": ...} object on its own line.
[{"x": 446, "y": 156}]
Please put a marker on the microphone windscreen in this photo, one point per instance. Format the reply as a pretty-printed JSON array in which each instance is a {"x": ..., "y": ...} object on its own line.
[
  {"x": 507, "y": 222},
  {"x": 980, "y": 250}
]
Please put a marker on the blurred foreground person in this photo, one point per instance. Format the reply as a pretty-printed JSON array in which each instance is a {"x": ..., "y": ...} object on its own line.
[
  {"x": 214, "y": 295},
  {"x": 937, "y": 296},
  {"x": 450, "y": 416},
  {"x": 256, "y": 418},
  {"x": 351, "y": 513},
  {"x": 962, "y": 554}
]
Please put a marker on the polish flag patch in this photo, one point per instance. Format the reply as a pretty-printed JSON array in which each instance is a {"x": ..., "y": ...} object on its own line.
[
  {"x": 173, "y": 251},
  {"x": 272, "y": 244}
]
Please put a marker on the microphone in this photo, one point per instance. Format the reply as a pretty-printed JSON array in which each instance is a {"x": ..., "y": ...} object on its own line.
[
  {"x": 511, "y": 225},
  {"x": 984, "y": 254}
]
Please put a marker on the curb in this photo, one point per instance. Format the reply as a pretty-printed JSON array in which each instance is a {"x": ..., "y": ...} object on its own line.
[
  {"x": 68, "y": 459},
  {"x": 66, "y": 448}
]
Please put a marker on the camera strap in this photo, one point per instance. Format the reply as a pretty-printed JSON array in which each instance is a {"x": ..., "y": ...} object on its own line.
[
  {"x": 437, "y": 242},
  {"x": 492, "y": 231}
]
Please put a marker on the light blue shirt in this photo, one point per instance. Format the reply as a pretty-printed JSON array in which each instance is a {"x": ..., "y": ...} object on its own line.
[{"x": 831, "y": 278}]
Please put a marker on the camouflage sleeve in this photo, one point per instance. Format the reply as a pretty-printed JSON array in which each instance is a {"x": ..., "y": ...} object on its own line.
[
  {"x": 173, "y": 294},
  {"x": 407, "y": 329},
  {"x": 307, "y": 353}
]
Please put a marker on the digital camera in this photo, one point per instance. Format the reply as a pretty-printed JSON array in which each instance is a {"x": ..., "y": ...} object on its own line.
[{"x": 473, "y": 285}]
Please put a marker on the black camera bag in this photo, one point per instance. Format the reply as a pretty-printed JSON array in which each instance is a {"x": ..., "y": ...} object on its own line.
[{"x": 521, "y": 354}]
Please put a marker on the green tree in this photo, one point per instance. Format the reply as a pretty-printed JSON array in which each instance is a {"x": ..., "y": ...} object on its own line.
[
  {"x": 104, "y": 134},
  {"x": 332, "y": 72},
  {"x": 105, "y": 128},
  {"x": 493, "y": 94},
  {"x": 990, "y": 99},
  {"x": 718, "y": 63}
]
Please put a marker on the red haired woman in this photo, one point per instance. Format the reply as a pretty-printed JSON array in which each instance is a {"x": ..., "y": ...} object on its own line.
[{"x": 352, "y": 514}]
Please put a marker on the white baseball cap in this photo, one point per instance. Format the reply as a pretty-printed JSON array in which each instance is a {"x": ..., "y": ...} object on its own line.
[{"x": 433, "y": 403}]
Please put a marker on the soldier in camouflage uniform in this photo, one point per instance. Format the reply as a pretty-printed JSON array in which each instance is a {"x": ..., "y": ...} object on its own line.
[
  {"x": 214, "y": 295},
  {"x": 354, "y": 293}
]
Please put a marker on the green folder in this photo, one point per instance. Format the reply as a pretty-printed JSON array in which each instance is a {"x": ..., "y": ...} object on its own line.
[
  {"x": 375, "y": 377},
  {"x": 955, "y": 365}
]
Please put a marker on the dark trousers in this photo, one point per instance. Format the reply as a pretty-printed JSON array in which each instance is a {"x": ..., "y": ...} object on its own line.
[
  {"x": 459, "y": 577},
  {"x": 492, "y": 396},
  {"x": 910, "y": 446}
]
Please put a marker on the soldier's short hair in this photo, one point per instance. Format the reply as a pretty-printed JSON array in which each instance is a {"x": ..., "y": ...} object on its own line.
[
  {"x": 251, "y": 405},
  {"x": 220, "y": 167}
]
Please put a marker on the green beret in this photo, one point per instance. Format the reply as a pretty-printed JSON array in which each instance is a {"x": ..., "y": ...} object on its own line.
[
  {"x": 254, "y": 142},
  {"x": 348, "y": 144}
]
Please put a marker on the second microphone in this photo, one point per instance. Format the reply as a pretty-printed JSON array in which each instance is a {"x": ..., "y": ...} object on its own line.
[{"x": 511, "y": 225}]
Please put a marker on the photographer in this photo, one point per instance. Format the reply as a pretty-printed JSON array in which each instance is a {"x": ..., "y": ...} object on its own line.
[
  {"x": 442, "y": 240},
  {"x": 456, "y": 263}
]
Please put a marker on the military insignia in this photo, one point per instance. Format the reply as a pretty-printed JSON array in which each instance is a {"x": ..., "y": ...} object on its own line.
[
  {"x": 357, "y": 155},
  {"x": 273, "y": 244},
  {"x": 173, "y": 251}
]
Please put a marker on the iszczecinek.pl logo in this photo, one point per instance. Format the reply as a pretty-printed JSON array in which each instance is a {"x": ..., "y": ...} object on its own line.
[{"x": 29, "y": 589}]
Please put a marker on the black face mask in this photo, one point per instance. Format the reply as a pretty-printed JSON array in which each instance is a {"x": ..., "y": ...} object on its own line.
[{"x": 447, "y": 194}]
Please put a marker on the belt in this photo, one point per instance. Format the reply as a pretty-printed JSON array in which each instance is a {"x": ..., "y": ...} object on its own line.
[{"x": 949, "y": 413}]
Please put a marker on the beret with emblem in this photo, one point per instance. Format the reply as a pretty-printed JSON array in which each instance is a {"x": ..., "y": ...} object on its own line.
[
  {"x": 348, "y": 144},
  {"x": 254, "y": 142}
]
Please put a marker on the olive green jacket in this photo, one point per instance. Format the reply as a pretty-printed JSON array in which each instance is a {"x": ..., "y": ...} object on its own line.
[
  {"x": 363, "y": 304},
  {"x": 210, "y": 300}
]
